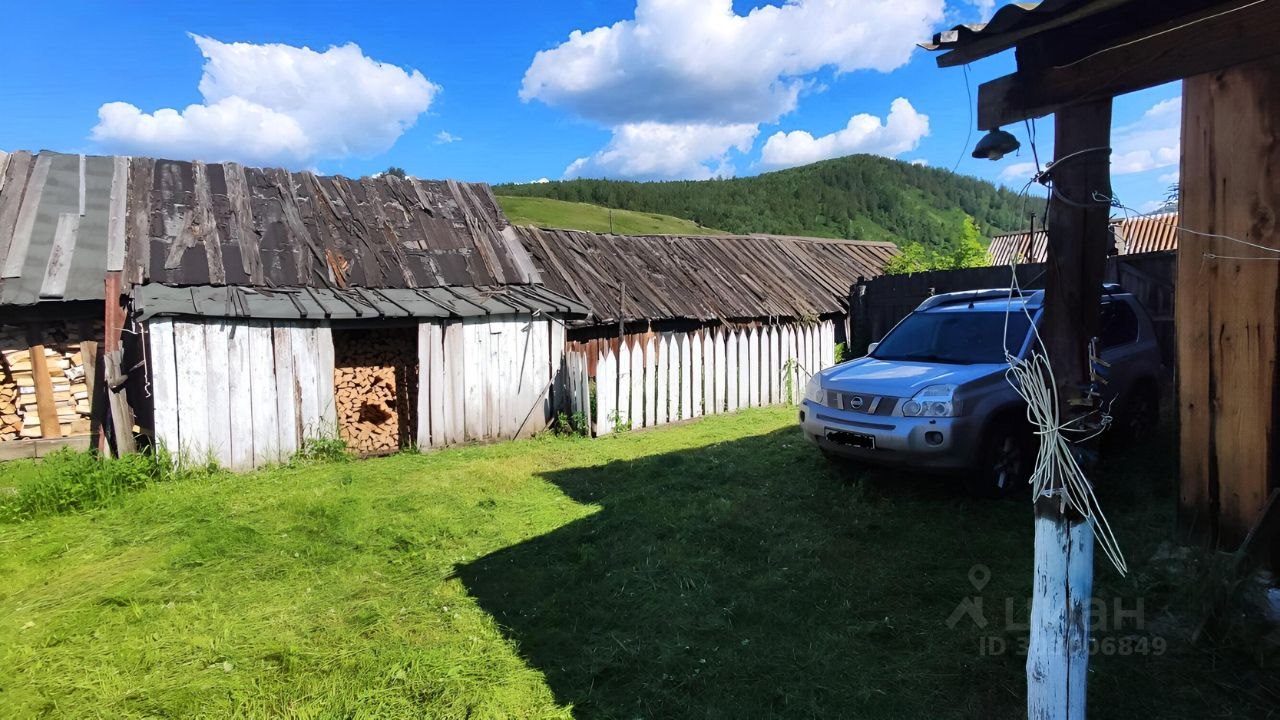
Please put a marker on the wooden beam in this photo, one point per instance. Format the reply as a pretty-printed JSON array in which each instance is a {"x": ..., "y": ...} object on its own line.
[
  {"x": 1228, "y": 333},
  {"x": 48, "y": 411},
  {"x": 1058, "y": 651},
  {"x": 1157, "y": 55}
]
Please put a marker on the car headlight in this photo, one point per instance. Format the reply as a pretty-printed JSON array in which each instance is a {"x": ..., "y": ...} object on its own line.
[
  {"x": 813, "y": 391},
  {"x": 933, "y": 401}
]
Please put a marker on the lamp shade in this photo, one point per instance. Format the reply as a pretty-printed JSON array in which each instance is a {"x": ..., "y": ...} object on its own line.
[{"x": 995, "y": 145}]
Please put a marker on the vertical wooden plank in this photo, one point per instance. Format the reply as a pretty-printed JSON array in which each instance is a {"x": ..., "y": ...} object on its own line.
[
  {"x": 164, "y": 383},
  {"x": 650, "y": 382},
  {"x": 774, "y": 367},
  {"x": 327, "y": 405},
  {"x": 45, "y": 406},
  {"x": 686, "y": 375},
  {"x": 191, "y": 358},
  {"x": 731, "y": 370},
  {"x": 606, "y": 392},
  {"x": 744, "y": 369},
  {"x": 696, "y": 373},
  {"x": 753, "y": 369},
  {"x": 305, "y": 357},
  {"x": 454, "y": 395},
  {"x": 266, "y": 433},
  {"x": 473, "y": 348},
  {"x": 286, "y": 390},
  {"x": 430, "y": 409},
  {"x": 663, "y": 410},
  {"x": 218, "y": 387},
  {"x": 721, "y": 393},
  {"x": 788, "y": 351},
  {"x": 624, "y": 383},
  {"x": 556, "y": 341},
  {"x": 637, "y": 383},
  {"x": 709, "y": 372},
  {"x": 240, "y": 359}
]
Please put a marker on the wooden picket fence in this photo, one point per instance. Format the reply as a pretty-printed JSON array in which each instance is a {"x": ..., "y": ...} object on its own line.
[{"x": 659, "y": 378}]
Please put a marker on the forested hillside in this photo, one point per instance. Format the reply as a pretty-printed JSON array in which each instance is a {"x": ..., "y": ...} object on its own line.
[{"x": 863, "y": 197}]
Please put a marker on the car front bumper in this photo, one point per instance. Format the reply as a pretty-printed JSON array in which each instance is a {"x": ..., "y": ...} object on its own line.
[{"x": 925, "y": 443}]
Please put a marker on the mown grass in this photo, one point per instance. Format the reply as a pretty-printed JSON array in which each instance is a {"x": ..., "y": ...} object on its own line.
[
  {"x": 717, "y": 569},
  {"x": 545, "y": 212}
]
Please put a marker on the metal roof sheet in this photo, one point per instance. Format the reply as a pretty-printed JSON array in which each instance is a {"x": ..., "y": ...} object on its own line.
[
  {"x": 318, "y": 304},
  {"x": 1147, "y": 233},
  {"x": 1012, "y": 23},
  {"x": 66, "y": 220},
  {"x": 717, "y": 277}
]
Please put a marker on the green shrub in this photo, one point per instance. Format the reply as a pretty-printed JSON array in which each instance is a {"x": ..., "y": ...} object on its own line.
[
  {"x": 69, "y": 481},
  {"x": 571, "y": 425}
]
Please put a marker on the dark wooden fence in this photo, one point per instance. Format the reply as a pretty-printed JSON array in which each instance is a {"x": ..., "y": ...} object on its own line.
[{"x": 878, "y": 304}]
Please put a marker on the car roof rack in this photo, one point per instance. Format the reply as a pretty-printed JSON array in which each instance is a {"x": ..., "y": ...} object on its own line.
[{"x": 969, "y": 296}]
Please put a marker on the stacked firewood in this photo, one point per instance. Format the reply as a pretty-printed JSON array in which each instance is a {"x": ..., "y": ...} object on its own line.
[
  {"x": 19, "y": 407},
  {"x": 372, "y": 407}
]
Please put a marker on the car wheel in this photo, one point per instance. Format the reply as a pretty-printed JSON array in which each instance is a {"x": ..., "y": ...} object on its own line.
[
  {"x": 1005, "y": 463},
  {"x": 1140, "y": 414}
]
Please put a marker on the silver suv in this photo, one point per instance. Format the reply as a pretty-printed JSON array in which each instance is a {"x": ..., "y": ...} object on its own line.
[{"x": 932, "y": 395}]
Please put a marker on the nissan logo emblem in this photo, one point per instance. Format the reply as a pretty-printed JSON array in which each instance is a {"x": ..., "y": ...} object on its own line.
[{"x": 855, "y": 403}]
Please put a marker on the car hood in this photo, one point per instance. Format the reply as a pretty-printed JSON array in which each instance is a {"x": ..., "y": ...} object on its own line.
[{"x": 898, "y": 378}]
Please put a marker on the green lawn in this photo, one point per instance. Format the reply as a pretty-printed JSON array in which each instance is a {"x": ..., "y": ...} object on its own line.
[
  {"x": 545, "y": 212},
  {"x": 717, "y": 569}
]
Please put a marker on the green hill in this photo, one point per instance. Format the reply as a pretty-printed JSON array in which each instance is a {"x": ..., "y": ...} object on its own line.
[
  {"x": 545, "y": 212},
  {"x": 863, "y": 197}
]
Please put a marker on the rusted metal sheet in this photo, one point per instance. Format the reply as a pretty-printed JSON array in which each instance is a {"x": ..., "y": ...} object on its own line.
[
  {"x": 723, "y": 277},
  {"x": 1144, "y": 234}
]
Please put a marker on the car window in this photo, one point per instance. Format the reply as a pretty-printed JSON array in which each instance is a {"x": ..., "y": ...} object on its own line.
[
  {"x": 1118, "y": 325},
  {"x": 961, "y": 338}
]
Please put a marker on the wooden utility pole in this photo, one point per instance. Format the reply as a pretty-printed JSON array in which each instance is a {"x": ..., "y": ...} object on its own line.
[{"x": 1058, "y": 653}]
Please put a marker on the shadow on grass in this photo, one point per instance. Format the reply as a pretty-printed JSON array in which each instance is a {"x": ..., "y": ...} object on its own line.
[{"x": 751, "y": 579}]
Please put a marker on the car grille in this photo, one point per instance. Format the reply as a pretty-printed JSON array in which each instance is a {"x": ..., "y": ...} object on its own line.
[{"x": 861, "y": 402}]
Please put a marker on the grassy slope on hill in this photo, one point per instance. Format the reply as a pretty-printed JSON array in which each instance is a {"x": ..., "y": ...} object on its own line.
[
  {"x": 545, "y": 212},
  {"x": 862, "y": 197}
]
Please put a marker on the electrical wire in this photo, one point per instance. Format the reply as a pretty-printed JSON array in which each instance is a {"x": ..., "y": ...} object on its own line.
[{"x": 969, "y": 135}]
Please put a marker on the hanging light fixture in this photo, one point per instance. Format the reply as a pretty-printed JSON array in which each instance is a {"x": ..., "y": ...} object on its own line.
[{"x": 995, "y": 145}]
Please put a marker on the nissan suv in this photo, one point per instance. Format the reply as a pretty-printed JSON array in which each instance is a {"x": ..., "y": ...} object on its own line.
[{"x": 933, "y": 395}]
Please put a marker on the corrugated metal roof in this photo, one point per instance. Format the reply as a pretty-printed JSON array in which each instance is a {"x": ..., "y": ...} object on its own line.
[
  {"x": 236, "y": 302},
  {"x": 65, "y": 220},
  {"x": 1148, "y": 233},
  {"x": 724, "y": 277}
]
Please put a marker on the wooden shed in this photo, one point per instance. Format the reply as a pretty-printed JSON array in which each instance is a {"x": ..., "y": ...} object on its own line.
[{"x": 245, "y": 310}]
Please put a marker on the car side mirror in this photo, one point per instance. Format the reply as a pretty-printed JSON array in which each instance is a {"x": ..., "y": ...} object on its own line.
[{"x": 872, "y": 347}]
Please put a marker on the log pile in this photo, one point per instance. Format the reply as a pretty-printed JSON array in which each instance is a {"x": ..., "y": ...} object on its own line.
[
  {"x": 69, "y": 400},
  {"x": 373, "y": 372}
]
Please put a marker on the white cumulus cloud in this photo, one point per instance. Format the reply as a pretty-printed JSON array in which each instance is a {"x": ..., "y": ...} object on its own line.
[
  {"x": 1018, "y": 173},
  {"x": 662, "y": 151},
  {"x": 698, "y": 60},
  {"x": 900, "y": 132},
  {"x": 276, "y": 104},
  {"x": 699, "y": 64},
  {"x": 444, "y": 137},
  {"x": 1154, "y": 141}
]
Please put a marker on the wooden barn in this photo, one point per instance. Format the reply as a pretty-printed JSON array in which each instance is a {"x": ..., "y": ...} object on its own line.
[
  {"x": 231, "y": 313},
  {"x": 682, "y": 326}
]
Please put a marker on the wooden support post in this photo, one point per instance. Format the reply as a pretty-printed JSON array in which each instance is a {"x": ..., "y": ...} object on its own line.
[
  {"x": 113, "y": 373},
  {"x": 48, "y": 413},
  {"x": 1058, "y": 652}
]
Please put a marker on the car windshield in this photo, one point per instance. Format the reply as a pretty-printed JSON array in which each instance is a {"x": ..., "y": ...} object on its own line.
[{"x": 954, "y": 337}]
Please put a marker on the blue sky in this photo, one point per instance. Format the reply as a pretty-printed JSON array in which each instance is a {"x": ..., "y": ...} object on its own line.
[{"x": 517, "y": 91}]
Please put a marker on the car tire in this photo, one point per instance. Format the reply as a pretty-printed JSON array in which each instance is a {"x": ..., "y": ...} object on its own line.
[{"x": 1005, "y": 462}]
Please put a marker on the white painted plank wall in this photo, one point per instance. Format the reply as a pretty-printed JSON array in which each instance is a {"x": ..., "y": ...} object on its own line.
[
  {"x": 287, "y": 415},
  {"x": 218, "y": 387},
  {"x": 606, "y": 392},
  {"x": 744, "y": 369},
  {"x": 239, "y": 359},
  {"x": 753, "y": 368},
  {"x": 696, "y": 372},
  {"x": 731, "y": 370},
  {"x": 650, "y": 382},
  {"x": 266, "y": 434},
  {"x": 164, "y": 384},
  {"x": 624, "y": 385},
  {"x": 686, "y": 376},
  {"x": 663, "y": 378},
  {"x": 719, "y": 392},
  {"x": 191, "y": 359},
  {"x": 637, "y": 385}
]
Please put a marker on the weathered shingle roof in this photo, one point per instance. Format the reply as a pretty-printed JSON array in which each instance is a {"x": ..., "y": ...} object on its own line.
[
  {"x": 725, "y": 277},
  {"x": 1148, "y": 233},
  {"x": 65, "y": 220}
]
